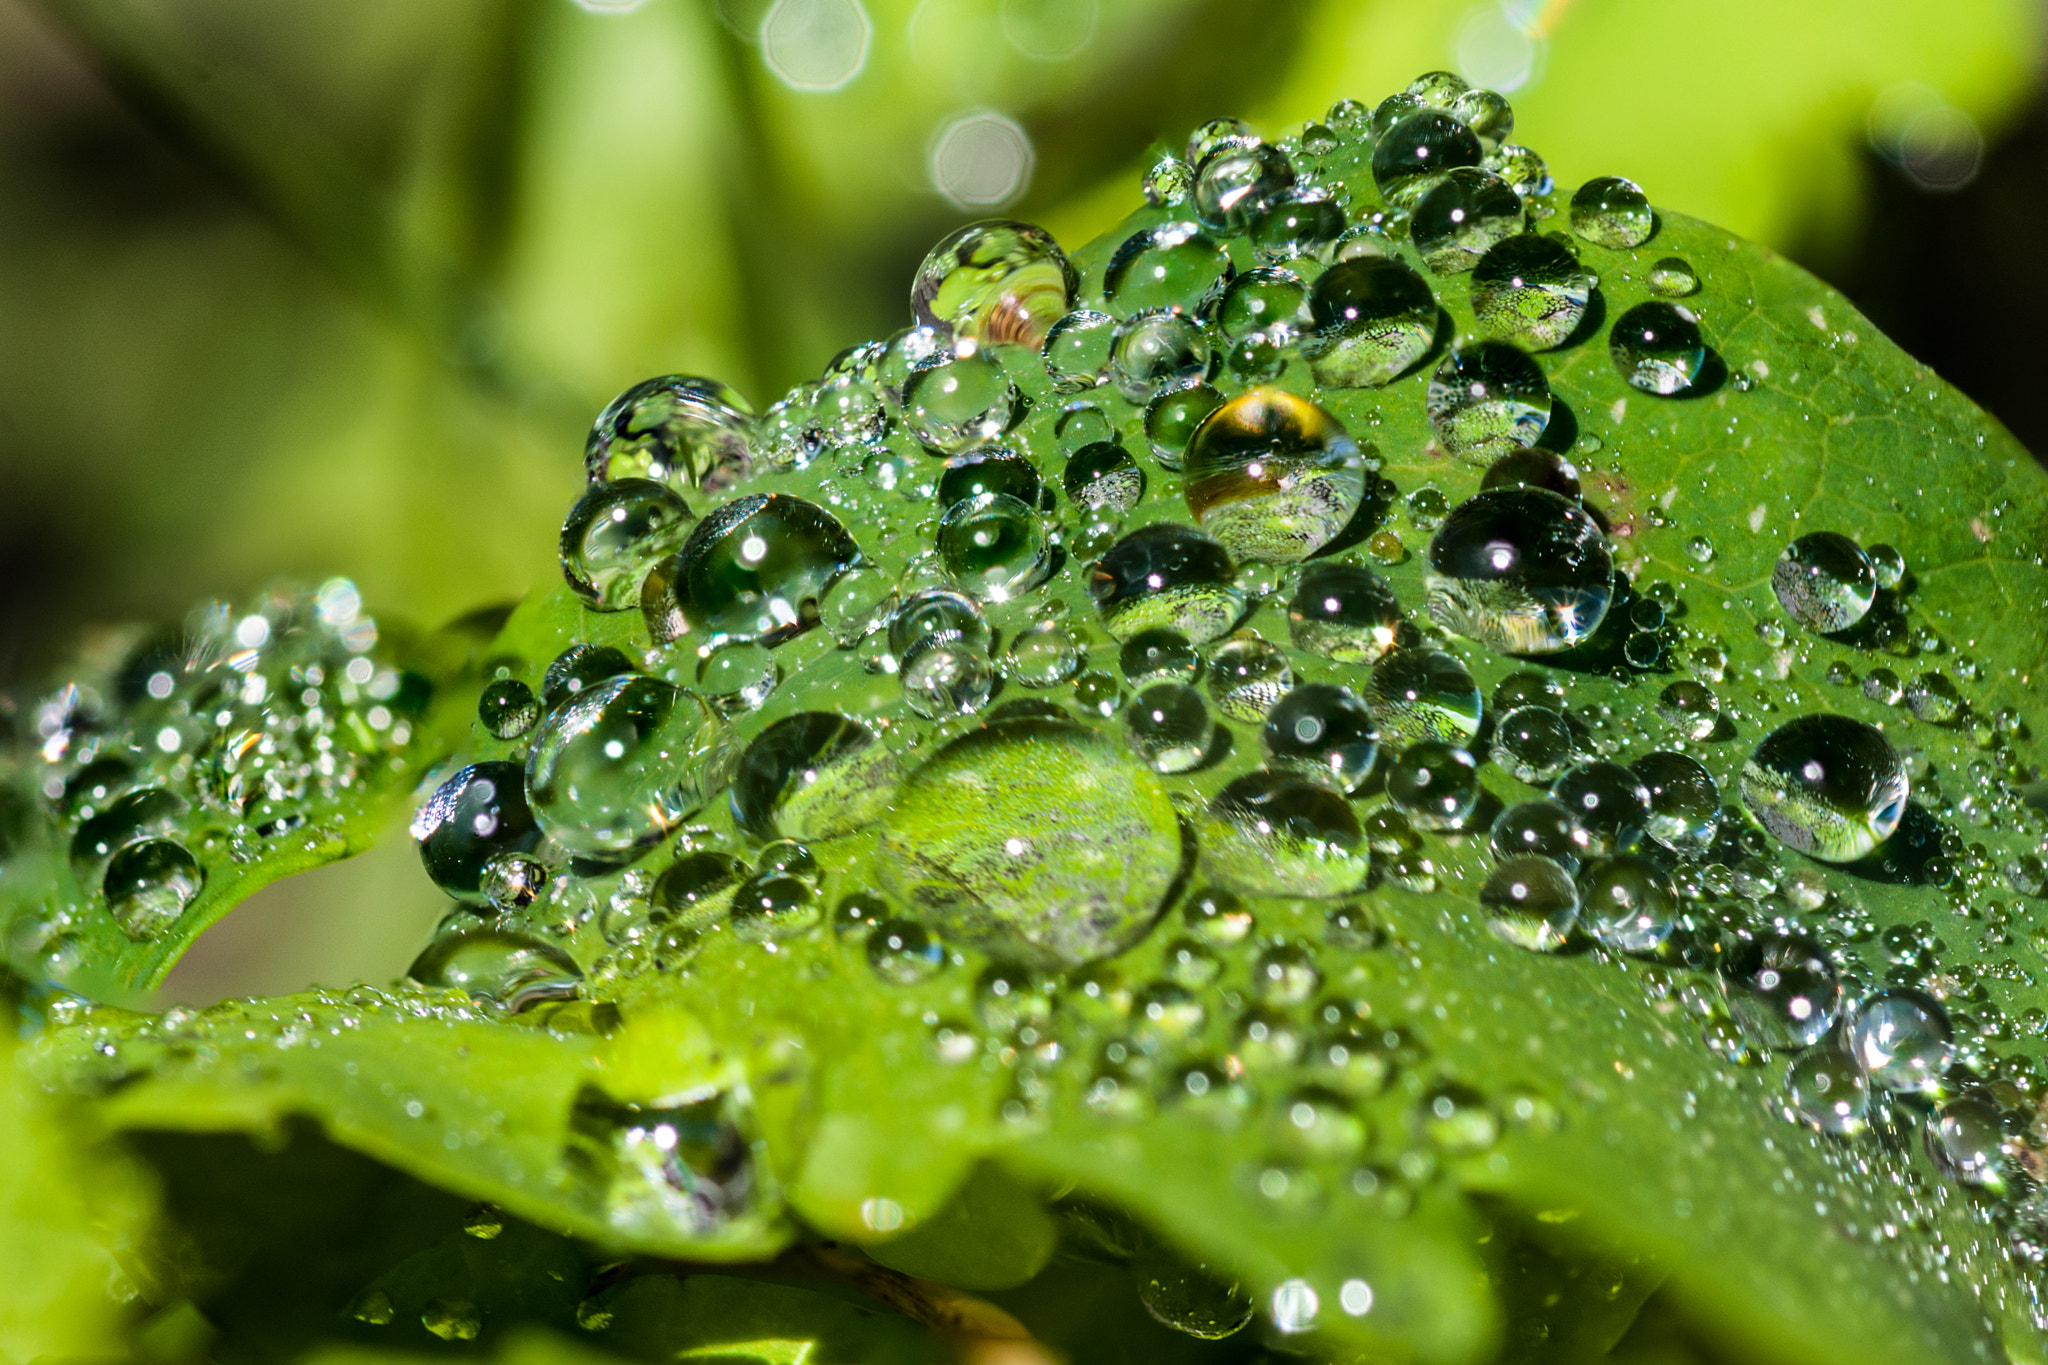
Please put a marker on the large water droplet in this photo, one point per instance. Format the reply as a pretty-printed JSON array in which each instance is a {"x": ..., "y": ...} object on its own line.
[
  {"x": 755, "y": 568},
  {"x": 1076, "y": 350},
  {"x": 994, "y": 546},
  {"x": 994, "y": 281},
  {"x": 613, "y": 536},
  {"x": 1826, "y": 786},
  {"x": 1628, "y": 902},
  {"x": 1172, "y": 265},
  {"x": 1534, "y": 744},
  {"x": 1041, "y": 842},
  {"x": 1169, "y": 726},
  {"x": 1276, "y": 834},
  {"x": 965, "y": 400},
  {"x": 1234, "y": 183},
  {"x": 1658, "y": 348},
  {"x": 1827, "y": 1090},
  {"x": 1782, "y": 990},
  {"x": 1531, "y": 902},
  {"x": 1487, "y": 399},
  {"x": 1272, "y": 476},
  {"x": 1191, "y": 1298},
  {"x": 1419, "y": 694},
  {"x": 1434, "y": 783},
  {"x": 1344, "y": 612},
  {"x": 1417, "y": 149},
  {"x": 1166, "y": 576},
  {"x": 477, "y": 814},
  {"x": 1461, "y": 217},
  {"x": 1521, "y": 570},
  {"x": 504, "y": 969},
  {"x": 617, "y": 768},
  {"x": 1902, "y": 1039},
  {"x": 1543, "y": 828},
  {"x": 1324, "y": 731},
  {"x": 1371, "y": 317},
  {"x": 148, "y": 884},
  {"x": 692, "y": 434},
  {"x": 814, "y": 775},
  {"x": 1685, "y": 802},
  {"x": 1158, "y": 351},
  {"x": 1530, "y": 290},
  {"x": 1612, "y": 212},
  {"x": 680, "y": 1167},
  {"x": 1824, "y": 581}
]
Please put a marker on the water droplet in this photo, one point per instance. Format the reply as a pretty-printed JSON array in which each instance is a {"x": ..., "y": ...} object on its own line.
[
  {"x": 1281, "y": 835},
  {"x": 1541, "y": 828},
  {"x": 1522, "y": 168},
  {"x": 477, "y": 814},
  {"x": 1612, "y": 212},
  {"x": 1417, "y": 149},
  {"x": 1456, "y": 1118},
  {"x": 1903, "y": 1041},
  {"x": 1520, "y": 570},
  {"x": 994, "y": 546},
  {"x": 1486, "y": 112},
  {"x": 755, "y": 568},
  {"x": 1324, "y": 731},
  {"x": 1691, "y": 708},
  {"x": 1825, "y": 582},
  {"x": 619, "y": 766},
  {"x": 148, "y": 884},
  {"x": 511, "y": 882},
  {"x": 1658, "y": 348},
  {"x": 1344, "y": 612},
  {"x": 1487, "y": 399},
  {"x": 1628, "y": 903},
  {"x": 1782, "y": 991},
  {"x": 772, "y": 906},
  {"x": 692, "y": 434},
  {"x": 1166, "y": 576},
  {"x": 815, "y": 775},
  {"x": 452, "y": 1319},
  {"x": 1217, "y": 917},
  {"x": 682, "y": 1167},
  {"x": 1461, "y": 217},
  {"x": 1673, "y": 278},
  {"x": 507, "y": 708},
  {"x": 1534, "y": 744},
  {"x": 1967, "y": 1141},
  {"x": 1172, "y": 418},
  {"x": 943, "y": 678},
  {"x": 1530, "y": 902},
  {"x": 1272, "y": 476},
  {"x": 1605, "y": 798},
  {"x": 1169, "y": 726},
  {"x": 1260, "y": 299},
  {"x": 1103, "y": 476},
  {"x": 1247, "y": 675},
  {"x": 1076, "y": 350},
  {"x": 1530, "y": 290},
  {"x": 1826, "y": 786},
  {"x": 1371, "y": 318},
  {"x": 1685, "y": 802},
  {"x": 1190, "y": 1297},
  {"x": 1434, "y": 784},
  {"x": 965, "y": 400},
  {"x": 1419, "y": 694},
  {"x": 696, "y": 888},
  {"x": 904, "y": 953},
  {"x": 994, "y": 281},
  {"x": 614, "y": 534},
  {"x": 1168, "y": 182},
  {"x": 1170, "y": 266},
  {"x": 1236, "y": 181},
  {"x": 1302, "y": 224},
  {"x": 1827, "y": 1091},
  {"x": 1157, "y": 351},
  {"x": 502, "y": 968},
  {"x": 1888, "y": 564},
  {"x": 1036, "y": 840}
]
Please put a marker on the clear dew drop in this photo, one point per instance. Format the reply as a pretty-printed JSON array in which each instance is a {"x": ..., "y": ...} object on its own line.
[
  {"x": 1170, "y": 266},
  {"x": 1169, "y": 726},
  {"x": 755, "y": 568},
  {"x": 814, "y": 775},
  {"x": 1434, "y": 783},
  {"x": 1169, "y": 577},
  {"x": 673, "y": 1167},
  {"x": 1826, "y": 1090},
  {"x": 1235, "y": 183},
  {"x": 964, "y": 401},
  {"x": 1076, "y": 350},
  {"x": 1826, "y": 786},
  {"x": 1903, "y": 1041},
  {"x": 1277, "y": 834},
  {"x": 693, "y": 434},
  {"x": 1530, "y": 290},
  {"x": 1420, "y": 694},
  {"x": 614, "y": 534},
  {"x": 994, "y": 546},
  {"x": 1190, "y": 1297},
  {"x": 1271, "y": 476},
  {"x": 1530, "y": 902},
  {"x": 1628, "y": 903},
  {"x": 1344, "y": 612},
  {"x": 1158, "y": 351},
  {"x": 1825, "y": 582},
  {"x": 1966, "y": 1139},
  {"x": 1370, "y": 318},
  {"x": 1303, "y": 224},
  {"x": 1684, "y": 813},
  {"x": 1325, "y": 731},
  {"x": 1534, "y": 744},
  {"x": 1690, "y": 707},
  {"x": 507, "y": 708},
  {"x": 1612, "y": 212},
  {"x": 1782, "y": 990},
  {"x": 478, "y": 813},
  {"x": 1247, "y": 676},
  {"x": 1608, "y": 800},
  {"x": 994, "y": 282},
  {"x": 1658, "y": 348},
  {"x": 618, "y": 767},
  {"x": 1416, "y": 150},
  {"x": 1488, "y": 399},
  {"x": 1461, "y": 217},
  {"x": 1543, "y": 828},
  {"x": 1520, "y": 570},
  {"x": 1673, "y": 278},
  {"x": 505, "y": 969},
  {"x": 148, "y": 884},
  {"x": 1172, "y": 418}
]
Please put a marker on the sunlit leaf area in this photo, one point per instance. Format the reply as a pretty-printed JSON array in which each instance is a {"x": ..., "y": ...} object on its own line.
[{"x": 1021, "y": 681}]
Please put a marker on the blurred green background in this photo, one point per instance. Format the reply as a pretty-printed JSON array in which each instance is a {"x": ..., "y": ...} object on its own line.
[{"x": 332, "y": 287}]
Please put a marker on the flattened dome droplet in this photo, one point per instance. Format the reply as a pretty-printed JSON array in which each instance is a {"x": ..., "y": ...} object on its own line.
[
  {"x": 1172, "y": 265},
  {"x": 995, "y": 281},
  {"x": 1825, "y": 582},
  {"x": 693, "y": 434},
  {"x": 1487, "y": 399},
  {"x": 1272, "y": 476},
  {"x": 1040, "y": 842},
  {"x": 1612, "y": 211},
  {"x": 1826, "y": 786},
  {"x": 1371, "y": 317},
  {"x": 614, "y": 534},
  {"x": 815, "y": 775},
  {"x": 617, "y": 767},
  {"x": 1658, "y": 348},
  {"x": 1521, "y": 570},
  {"x": 1417, "y": 149},
  {"x": 755, "y": 568},
  {"x": 1530, "y": 290},
  {"x": 1461, "y": 217},
  {"x": 1166, "y": 576},
  {"x": 1278, "y": 834}
]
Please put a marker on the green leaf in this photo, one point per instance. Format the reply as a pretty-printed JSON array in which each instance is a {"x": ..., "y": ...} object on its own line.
[{"x": 1549, "y": 1139}]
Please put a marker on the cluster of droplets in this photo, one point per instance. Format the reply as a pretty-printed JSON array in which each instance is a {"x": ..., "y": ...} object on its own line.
[
  {"x": 1053, "y": 708},
  {"x": 1058, "y": 642},
  {"x": 181, "y": 754}
]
